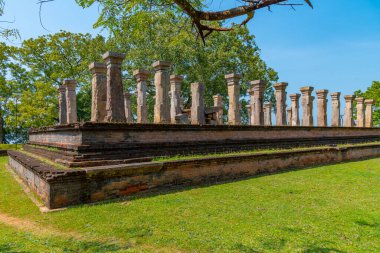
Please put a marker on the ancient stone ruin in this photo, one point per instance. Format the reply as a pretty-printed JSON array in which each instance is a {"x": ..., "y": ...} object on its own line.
[{"x": 113, "y": 155}]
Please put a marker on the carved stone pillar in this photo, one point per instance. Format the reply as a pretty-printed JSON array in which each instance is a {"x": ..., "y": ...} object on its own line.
[
  {"x": 280, "y": 103},
  {"x": 335, "y": 101},
  {"x": 307, "y": 106},
  {"x": 218, "y": 101},
  {"x": 234, "y": 117},
  {"x": 141, "y": 76},
  {"x": 175, "y": 98},
  {"x": 162, "y": 84},
  {"x": 289, "y": 116},
  {"x": 99, "y": 91},
  {"x": 348, "y": 111},
  {"x": 249, "y": 108},
  {"x": 268, "y": 114},
  {"x": 115, "y": 92},
  {"x": 128, "y": 108},
  {"x": 258, "y": 88},
  {"x": 197, "y": 104},
  {"x": 62, "y": 106},
  {"x": 322, "y": 107},
  {"x": 251, "y": 93},
  {"x": 295, "y": 98},
  {"x": 360, "y": 112},
  {"x": 369, "y": 112},
  {"x": 71, "y": 101}
]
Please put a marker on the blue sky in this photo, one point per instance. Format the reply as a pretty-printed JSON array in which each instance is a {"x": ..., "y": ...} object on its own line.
[{"x": 335, "y": 46}]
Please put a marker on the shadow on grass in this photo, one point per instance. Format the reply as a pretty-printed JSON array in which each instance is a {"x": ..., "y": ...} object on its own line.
[{"x": 317, "y": 249}]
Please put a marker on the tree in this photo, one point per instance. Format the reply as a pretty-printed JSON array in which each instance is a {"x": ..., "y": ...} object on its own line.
[
  {"x": 373, "y": 92},
  {"x": 6, "y": 32}
]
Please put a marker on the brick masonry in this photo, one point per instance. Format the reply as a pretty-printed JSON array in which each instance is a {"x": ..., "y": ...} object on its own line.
[{"x": 60, "y": 188}]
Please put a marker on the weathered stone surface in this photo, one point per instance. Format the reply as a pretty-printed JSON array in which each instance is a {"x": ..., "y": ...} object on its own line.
[
  {"x": 360, "y": 112},
  {"x": 62, "y": 108},
  {"x": 128, "y": 108},
  {"x": 71, "y": 101},
  {"x": 307, "y": 106},
  {"x": 322, "y": 107},
  {"x": 258, "y": 88},
  {"x": 268, "y": 114},
  {"x": 369, "y": 112},
  {"x": 234, "y": 116},
  {"x": 249, "y": 108},
  {"x": 289, "y": 116},
  {"x": 197, "y": 104},
  {"x": 99, "y": 91},
  {"x": 280, "y": 103},
  {"x": 251, "y": 93},
  {"x": 295, "y": 109},
  {"x": 141, "y": 76},
  {"x": 175, "y": 97},
  {"x": 335, "y": 101},
  {"x": 162, "y": 84},
  {"x": 218, "y": 102},
  {"x": 115, "y": 93},
  {"x": 348, "y": 111}
]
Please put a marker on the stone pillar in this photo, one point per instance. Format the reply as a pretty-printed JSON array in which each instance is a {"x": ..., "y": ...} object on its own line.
[
  {"x": 99, "y": 91},
  {"x": 280, "y": 103},
  {"x": 251, "y": 93},
  {"x": 115, "y": 92},
  {"x": 307, "y": 106},
  {"x": 249, "y": 108},
  {"x": 197, "y": 104},
  {"x": 62, "y": 106},
  {"x": 234, "y": 117},
  {"x": 218, "y": 101},
  {"x": 141, "y": 76},
  {"x": 268, "y": 114},
  {"x": 295, "y": 98},
  {"x": 322, "y": 107},
  {"x": 369, "y": 113},
  {"x": 175, "y": 101},
  {"x": 128, "y": 108},
  {"x": 360, "y": 112},
  {"x": 258, "y": 87},
  {"x": 348, "y": 111},
  {"x": 289, "y": 115},
  {"x": 162, "y": 84},
  {"x": 71, "y": 101},
  {"x": 335, "y": 101}
]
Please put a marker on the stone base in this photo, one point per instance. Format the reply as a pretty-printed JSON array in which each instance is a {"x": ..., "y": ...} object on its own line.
[
  {"x": 95, "y": 144},
  {"x": 64, "y": 187}
]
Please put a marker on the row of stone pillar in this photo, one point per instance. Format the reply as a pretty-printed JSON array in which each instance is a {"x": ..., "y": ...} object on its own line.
[{"x": 67, "y": 102}]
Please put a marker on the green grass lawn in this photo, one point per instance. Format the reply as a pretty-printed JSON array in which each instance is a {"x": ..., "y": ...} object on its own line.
[
  {"x": 10, "y": 146},
  {"x": 326, "y": 209}
]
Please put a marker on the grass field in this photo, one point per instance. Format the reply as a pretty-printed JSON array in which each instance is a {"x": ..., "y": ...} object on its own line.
[
  {"x": 10, "y": 146},
  {"x": 325, "y": 209}
]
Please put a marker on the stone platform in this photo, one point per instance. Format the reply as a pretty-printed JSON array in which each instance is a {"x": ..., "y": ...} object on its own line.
[{"x": 94, "y": 144}]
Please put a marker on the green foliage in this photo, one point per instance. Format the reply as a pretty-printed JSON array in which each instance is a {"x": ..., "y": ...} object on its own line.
[{"x": 373, "y": 92}]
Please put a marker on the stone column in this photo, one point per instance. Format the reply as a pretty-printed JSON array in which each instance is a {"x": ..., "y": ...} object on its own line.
[
  {"x": 360, "y": 112},
  {"x": 175, "y": 91},
  {"x": 62, "y": 106},
  {"x": 258, "y": 87},
  {"x": 162, "y": 84},
  {"x": 197, "y": 104},
  {"x": 128, "y": 108},
  {"x": 322, "y": 107},
  {"x": 348, "y": 111},
  {"x": 115, "y": 92},
  {"x": 335, "y": 101},
  {"x": 289, "y": 115},
  {"x": 268, "y": 114},
  {"x": 369, "y": 113},
  {"x": 249, "y": 108},
  {"x": 251, "y": 93},
  {"x": 307, "y": 106},
  {"x": 71, "y": 101},
  {"x": 99, "y": 91},
  {"x": 218, "y": 101},
  {"x": 280, "y": 103},
  {"x": 141, "y": 76},
  {"x": 295, "y": 98},
  {"x": 234, "y": 117}
]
